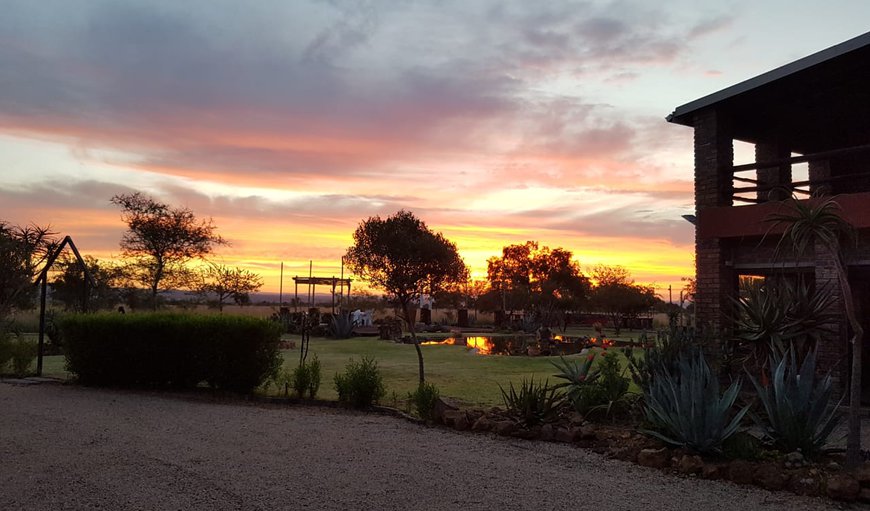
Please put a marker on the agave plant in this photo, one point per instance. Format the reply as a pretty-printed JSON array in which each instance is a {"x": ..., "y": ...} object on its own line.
[
  {"x": 796, "y": 404},
  {"x": 341, "y": 326},
  {"x": 534, "y": 403},
  {"x": 578, "y": 376},
  {"x": 686, "y": 408}
]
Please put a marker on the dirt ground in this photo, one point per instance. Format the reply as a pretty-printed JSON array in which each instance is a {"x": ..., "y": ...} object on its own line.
[{"x": 67, "y": 447}]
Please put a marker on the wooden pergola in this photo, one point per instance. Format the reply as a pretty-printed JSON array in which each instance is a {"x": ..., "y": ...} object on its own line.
[{"x": 313, "y": 282}]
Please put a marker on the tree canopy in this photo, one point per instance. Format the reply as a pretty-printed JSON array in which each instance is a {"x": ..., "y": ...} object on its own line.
[
  {"x": 160, "y": 239},
  {"x": 23, "y": 251},
  {"x": 68, "y": 286},
  {"x": 226, "y": 283},
  {"x": 617, "y": 295},
  {"x": 403, "y": 257},
  {"x": 546, "y": 281}
]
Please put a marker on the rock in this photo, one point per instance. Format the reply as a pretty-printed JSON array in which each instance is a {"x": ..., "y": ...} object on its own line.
[
  {"x": 449, "y": 417},
  {"x": 864, "y": 495},
  {"x": 474, "y": 414},
  {"x": 576, "y": 419},
  {"x": 655, "y": 458},
  {"x": 461, "y": 423},
  {"x": 627, "y": 453},
  {"x": 525, "y": 434},
  {"x": 566, "y": 435},
  {"x": 843, "y": 487},
  {"x": 863, "y": 474},
  {"x": 688, "y": 464},
  {"x": 587, "y": 432},
  {"x": 548, "y": 432},
  {"x": 805, "y": 484},
  {"x": 770, "y": 477},
  {"x": 834, "y": 466},
  {"x": 794, "y": 459},
  {"x": 504, "y": 427},
  {"x": 482, "y": 424},
  {"x": 711, "y": 471},
  {"x": 439, "y": 408},
  {"x": 741, "y": 472},
  {"x": 602, "y": 435}
]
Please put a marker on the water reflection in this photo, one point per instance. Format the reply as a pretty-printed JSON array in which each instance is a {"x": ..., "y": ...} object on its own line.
[{"x": 519, "y": 345}]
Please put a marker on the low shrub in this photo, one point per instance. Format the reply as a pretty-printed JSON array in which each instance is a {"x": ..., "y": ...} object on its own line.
[
  {"x": 534, "y": 403},
  {"x": 5, "y": 349},
  {"x": 660, "y": 353},
  {"x": 361, "y": 385},
  {"x": 234, "y": 353},
  {"x": 424, "y": 399},
  {"x": 686, "y": 409},
  {"x": 797, "y": 412},
  {"x": 306, "y": 378},
  {"x": 23, "y": 353},
  {"x": 742, "y": 446}
]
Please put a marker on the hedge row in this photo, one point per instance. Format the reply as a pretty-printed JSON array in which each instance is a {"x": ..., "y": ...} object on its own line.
[{"x": 179, "y": 350}]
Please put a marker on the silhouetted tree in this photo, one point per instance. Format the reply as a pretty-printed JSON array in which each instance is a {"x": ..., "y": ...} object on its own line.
[
  {"x": 68, "y": 287},
  {"x": 23, "y": 251},
  {"x": 160, "y": 240},
  {"x": 228, "y": 283},
  {"x": 547, "y": 282},
  {"x": 617, "y": 295},
  {"x": 403, "y": 257}
]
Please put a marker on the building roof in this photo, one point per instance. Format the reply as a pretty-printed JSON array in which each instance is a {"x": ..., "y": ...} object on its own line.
[{"x": 792, "y": 84}]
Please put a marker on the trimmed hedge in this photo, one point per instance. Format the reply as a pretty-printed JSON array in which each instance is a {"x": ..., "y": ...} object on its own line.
[{"x": 233, "y": 353}]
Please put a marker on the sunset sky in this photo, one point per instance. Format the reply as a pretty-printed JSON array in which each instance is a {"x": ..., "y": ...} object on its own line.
[{"x": 288, "y": 122}]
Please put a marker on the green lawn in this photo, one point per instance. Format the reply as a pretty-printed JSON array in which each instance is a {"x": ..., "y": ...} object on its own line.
[{"x": 459, "y": 373}]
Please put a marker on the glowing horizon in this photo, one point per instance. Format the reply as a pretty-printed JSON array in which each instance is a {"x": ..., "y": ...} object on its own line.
[{"x": 289, "y": 123}]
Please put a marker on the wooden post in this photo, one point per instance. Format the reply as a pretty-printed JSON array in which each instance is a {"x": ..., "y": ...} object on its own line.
[
  {"x": 281, "y": 286},
  {"x": 41, "y": 350}
]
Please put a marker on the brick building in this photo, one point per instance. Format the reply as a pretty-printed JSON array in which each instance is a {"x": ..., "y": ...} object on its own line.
[{"x": 809, "y": 122}]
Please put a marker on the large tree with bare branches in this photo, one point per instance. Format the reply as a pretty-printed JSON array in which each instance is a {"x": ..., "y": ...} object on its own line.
[{"x": 161, "y": 239}]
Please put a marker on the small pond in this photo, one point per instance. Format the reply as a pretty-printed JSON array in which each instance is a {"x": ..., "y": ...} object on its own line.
[{"x": 521, "y": 345}]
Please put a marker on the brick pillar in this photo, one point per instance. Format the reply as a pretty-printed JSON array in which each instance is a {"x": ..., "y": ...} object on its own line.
[
  {"x": 716, "y": 282},
  {"x": 820, "y": 173},
  {"x": 833, "y": 350},
  {"x": 772, "y": 177}
]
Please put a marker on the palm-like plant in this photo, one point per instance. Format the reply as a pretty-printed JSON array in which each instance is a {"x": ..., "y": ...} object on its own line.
[{"x": 819, "y": 222}]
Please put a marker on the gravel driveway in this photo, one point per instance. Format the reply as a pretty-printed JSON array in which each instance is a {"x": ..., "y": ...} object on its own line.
[{"x": 66, "y": 447}]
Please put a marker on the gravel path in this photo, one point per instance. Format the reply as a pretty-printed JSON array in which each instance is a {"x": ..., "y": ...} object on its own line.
[{"x": 65, "y": 447}]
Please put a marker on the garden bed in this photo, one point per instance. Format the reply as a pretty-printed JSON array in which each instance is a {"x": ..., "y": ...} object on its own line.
[{"x": 825, "y": 477}]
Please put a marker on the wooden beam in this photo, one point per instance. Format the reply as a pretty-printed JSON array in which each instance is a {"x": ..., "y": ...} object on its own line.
[{"x": 823, "y": 155}]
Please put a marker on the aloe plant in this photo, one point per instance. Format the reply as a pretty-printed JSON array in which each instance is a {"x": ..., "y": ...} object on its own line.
[
  {"x": 534, "y": 403},
  {"x": 783, "y": 313},
  {"x": 576, "y": 373},
  {"x": 686, "y": 408},
  {"x": 796, "y": 404}
]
